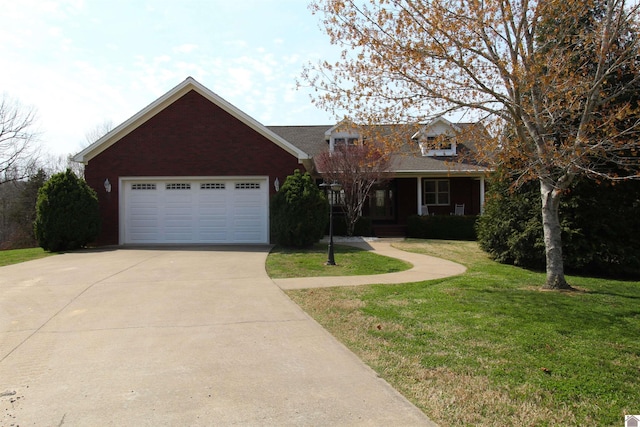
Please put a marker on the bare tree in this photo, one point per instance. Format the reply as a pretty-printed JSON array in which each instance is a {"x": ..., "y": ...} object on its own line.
[
  {"x": 55, "y": 163},
  {"x": 516, "y": 64},
  {"x": 18, "y": 149},
  {"x": 98, "y": 132},
  {"x": 62, "y": 163},
  {"x": 357, "y": 168}
]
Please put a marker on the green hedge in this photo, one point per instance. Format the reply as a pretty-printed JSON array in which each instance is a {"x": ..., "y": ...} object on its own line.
[
  {"x": 447, "y": 227},
  {"x": 600, "y": 227}
]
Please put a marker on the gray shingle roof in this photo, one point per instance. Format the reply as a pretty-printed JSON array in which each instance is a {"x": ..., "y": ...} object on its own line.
[
  {"x": 309, "y": 139},
  {"x": 408, "y": 160}
]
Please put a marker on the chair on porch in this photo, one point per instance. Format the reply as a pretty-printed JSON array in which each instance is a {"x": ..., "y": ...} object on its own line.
[
  {"x": 424, "y": 210},
  {"x": 459, "y": 209}
]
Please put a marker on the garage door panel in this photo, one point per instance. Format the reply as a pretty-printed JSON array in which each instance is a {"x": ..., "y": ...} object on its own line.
[
  {"x": 211, "y": 211},
  {"x": 249, "y": 207},
  {"x": 178, "y": 213},
  {"x": 143, "y": 213}
]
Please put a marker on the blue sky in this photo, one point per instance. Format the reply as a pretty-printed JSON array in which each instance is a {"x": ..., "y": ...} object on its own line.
[{"x": 80, "y": 63}]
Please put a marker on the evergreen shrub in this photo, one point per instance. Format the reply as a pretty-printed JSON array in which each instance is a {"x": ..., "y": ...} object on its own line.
[
  {"x": 299, "y": 212},
  {"x": 67, "y": 214}
]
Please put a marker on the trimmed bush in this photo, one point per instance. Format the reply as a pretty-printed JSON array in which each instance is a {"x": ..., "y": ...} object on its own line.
[
  {"x": 67, "y": 214},
  {"x": 299, "y": 212},
  {"x": 452, "y": 227}
]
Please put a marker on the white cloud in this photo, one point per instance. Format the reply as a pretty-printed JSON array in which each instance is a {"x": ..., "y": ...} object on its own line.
[
  {"x": 240, "y": 79},
  {"x": 185, "y": 48},
  {"x": 236, "y": 44}
]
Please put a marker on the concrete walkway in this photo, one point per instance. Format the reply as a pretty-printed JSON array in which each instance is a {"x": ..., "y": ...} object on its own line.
[
  {"x": 425, "y": 267},
  {"x": 162, "y": 337}
]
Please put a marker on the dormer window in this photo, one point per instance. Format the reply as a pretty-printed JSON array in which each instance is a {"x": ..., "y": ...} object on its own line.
[
  {"x": 347, "y": 141},
  {"x": 343, "y": 141},
  {"x": 437, "y": 146},
  {"x": 442, "y": 143},
  {"x": 343, "y": 134},
  {"x": 437, "y": 138}
]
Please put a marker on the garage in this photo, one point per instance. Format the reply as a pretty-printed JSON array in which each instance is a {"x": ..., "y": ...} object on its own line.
[
  {"x": 189, "y": 168},
  {"x": 194, "y": 210}
]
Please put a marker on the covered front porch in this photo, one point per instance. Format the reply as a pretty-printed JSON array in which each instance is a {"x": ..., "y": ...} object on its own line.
[{"x": 391, "y": 204}]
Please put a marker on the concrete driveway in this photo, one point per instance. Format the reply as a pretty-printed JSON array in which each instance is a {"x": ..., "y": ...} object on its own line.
[{"x": 152, "y": 337}]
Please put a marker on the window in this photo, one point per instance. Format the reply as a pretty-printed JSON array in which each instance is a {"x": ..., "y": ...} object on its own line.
[
  {"x": 441, "y": 144},
  {"x": 436, "y": 192},
  {"x": 247, "y": 185},
  {"x": 178, "y": 186},
  {"x": 143, "y": 186},
  {"x": 438, "y": 146},
  {"x": 345, "y": 141},
  {"x": 212, "y": 186}
]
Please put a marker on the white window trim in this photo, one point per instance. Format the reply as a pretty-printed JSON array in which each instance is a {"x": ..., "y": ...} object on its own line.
[
  {"x": 346, "y": 136},
  {"x": 436, "y": 180}
]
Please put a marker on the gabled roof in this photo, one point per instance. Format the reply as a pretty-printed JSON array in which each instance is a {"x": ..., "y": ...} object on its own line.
[
  {"x": 340, "y": 127},
  {"x": 434, "y": 122},
  {"x": 167, "y": 99}
]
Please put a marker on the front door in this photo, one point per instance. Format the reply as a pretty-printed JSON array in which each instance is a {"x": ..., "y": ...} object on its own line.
[{"x": 382, "y": 204}]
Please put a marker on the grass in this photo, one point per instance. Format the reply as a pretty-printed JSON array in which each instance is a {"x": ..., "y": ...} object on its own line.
[
  {"x": 15, "y": 256},
  {"x": 489, "y": 347},
  {"x": 350, "y": 261}
]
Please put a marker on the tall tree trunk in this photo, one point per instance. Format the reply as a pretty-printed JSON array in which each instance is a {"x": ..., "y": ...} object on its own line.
[{"x": 552, "y": 236}]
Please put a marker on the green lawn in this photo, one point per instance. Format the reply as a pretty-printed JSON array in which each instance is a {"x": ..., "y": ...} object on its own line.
[
  {"x": 350, "y": 261},
  {"x": 490, "y": 347},
  {"x": 14, "y": 256}
]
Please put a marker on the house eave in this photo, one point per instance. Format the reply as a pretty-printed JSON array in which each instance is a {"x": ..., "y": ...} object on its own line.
[{"x": 446, "y": 172}]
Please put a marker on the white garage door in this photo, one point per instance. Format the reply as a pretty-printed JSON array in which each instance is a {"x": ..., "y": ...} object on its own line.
[{"x": 195, "y": 211}]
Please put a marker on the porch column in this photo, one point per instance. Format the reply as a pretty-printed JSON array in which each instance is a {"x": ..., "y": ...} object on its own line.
[
  {"x": 419, "y": 198},
  {"x": 482, "y": 194}
]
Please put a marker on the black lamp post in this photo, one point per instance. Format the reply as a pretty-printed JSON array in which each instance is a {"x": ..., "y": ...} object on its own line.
[{"x": 335, "y": 188}]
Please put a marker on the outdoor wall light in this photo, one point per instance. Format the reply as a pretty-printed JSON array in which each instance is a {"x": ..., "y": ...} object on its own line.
[
  {"x": 276, "y": 184},
  {"x": 107, "y": 185}
]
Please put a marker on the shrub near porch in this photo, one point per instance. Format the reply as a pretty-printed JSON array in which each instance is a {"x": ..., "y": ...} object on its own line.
[{"x": 450, "y": 227}]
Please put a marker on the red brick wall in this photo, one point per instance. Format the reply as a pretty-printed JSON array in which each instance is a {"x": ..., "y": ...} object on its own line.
[{"x": 191, "y": 137}]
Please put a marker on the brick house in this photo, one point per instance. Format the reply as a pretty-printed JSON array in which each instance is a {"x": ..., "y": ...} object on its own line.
[{"x": 190, "y": 168}]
